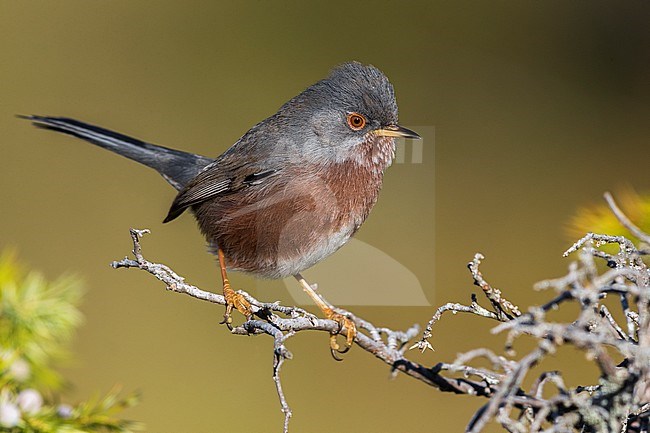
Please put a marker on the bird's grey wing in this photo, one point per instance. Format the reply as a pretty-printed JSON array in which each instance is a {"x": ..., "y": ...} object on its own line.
[{"x": 215, "y": 180}]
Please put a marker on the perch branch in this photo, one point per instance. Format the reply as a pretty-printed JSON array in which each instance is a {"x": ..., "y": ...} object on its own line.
[
  {"x": 619, "y": 402},
  {"x": 282, "y": 322}
]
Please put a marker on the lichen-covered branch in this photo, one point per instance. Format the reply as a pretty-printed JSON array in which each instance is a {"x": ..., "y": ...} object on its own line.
[
  {"x": 282, "y": 322},
  {"x": 618, "y": 402}
]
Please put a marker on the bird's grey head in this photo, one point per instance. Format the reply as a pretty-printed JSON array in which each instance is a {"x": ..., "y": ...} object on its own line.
[
  {"x": 354, "y": 106},
  {"x": 356, "y": 88}
]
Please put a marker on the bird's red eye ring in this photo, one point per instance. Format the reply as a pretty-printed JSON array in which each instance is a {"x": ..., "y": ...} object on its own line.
[{"x": 356, "y": 121}]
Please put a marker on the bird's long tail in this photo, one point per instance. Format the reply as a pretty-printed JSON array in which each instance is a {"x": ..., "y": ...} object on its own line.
[{"x": 177, "y": 167}]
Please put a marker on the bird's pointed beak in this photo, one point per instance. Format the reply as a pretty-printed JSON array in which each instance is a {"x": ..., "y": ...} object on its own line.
[{"x": 397, "y": 131}]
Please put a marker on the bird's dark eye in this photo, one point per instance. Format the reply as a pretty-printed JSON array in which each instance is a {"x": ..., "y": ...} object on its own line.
[{"x": 356, "y": 121}]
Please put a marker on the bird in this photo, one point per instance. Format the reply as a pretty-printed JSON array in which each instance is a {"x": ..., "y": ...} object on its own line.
[{"x": 291, "y": 191}]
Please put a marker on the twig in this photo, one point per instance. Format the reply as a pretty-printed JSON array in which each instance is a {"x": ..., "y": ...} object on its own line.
[
  {"x": 423, "y": 344},
  {"x": 624, "y": 220},
  {"x": 504, "y": 309},
  {"x": 619, "y": 331}
]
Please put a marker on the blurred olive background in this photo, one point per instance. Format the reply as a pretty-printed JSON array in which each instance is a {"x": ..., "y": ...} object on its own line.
[{"x": 528, "y": 110}]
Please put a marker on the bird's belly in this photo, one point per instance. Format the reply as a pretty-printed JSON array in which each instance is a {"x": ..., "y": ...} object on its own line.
[
  {"x": 308, "y": 255},
  {"x": 271, "y": 250},
  {"x": 276, "y": 238},
  {"x": 285, "y": 228}
]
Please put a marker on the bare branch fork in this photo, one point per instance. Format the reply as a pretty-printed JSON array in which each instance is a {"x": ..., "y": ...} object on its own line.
[{"x": 619, "y": 402}]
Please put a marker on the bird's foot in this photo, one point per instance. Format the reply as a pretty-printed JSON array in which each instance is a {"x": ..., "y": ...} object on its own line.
[
  {"x": 344, "y": 324},
  {"x": 237, "y": 301}
]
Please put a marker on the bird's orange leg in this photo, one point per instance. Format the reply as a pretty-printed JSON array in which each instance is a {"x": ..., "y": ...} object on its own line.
[
  {"x": 345, "y": 324},
  {"x": 233, "y": 299}
]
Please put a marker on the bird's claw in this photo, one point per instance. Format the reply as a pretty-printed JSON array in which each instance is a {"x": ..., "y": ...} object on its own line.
[
  {"x": 351, "y": 332},
  {"x": 234, "y": 300}
]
